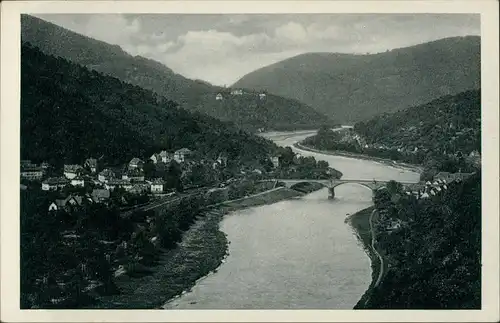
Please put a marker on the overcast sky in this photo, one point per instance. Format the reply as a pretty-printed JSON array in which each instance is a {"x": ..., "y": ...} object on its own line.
[{"x": 222, "y": 48}]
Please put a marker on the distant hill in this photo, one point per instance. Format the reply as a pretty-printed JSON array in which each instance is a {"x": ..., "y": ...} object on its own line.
[
  {"x": 70, "y": 113},
  {"x": 194, "y": 95},
  {"x": 352, "y": 87}
]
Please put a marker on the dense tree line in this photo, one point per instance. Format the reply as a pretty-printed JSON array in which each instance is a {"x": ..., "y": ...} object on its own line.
[
  {"x": 435, "y": 257},
  {"x": 69, "y": 113}
]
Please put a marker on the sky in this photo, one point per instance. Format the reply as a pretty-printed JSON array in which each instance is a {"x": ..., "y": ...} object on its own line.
[{"x": 221, "y": 48}]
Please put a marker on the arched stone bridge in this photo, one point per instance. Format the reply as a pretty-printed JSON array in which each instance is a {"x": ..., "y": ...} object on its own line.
[{"x": 373, "y": 185}]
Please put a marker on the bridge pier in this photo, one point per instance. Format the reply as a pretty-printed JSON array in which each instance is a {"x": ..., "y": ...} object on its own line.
[{"x": 331, "y": 193}]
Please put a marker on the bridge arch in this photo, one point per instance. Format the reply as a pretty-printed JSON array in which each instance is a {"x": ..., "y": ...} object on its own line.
[{"x": 370, "y": 186}]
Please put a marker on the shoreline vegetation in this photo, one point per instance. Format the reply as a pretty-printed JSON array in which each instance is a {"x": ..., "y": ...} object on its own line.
[
  {"x": 360, "y": 223},
  {"x": 200, "y": 253},
  {"x": 385, "y": 161}
]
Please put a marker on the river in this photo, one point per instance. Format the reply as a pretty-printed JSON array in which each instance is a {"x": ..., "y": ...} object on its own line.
[{"x": 298, "y": 253}]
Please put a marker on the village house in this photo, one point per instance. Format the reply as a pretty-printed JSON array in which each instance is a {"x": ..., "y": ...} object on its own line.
[
  {"x": 237, "y": 92},
  {"x": 72, "y": 171},
  {"x": 106, "y": 175},
  {"x": 475, "y": 158},
  {"x": 114, "y": 183},
  {"x": 70, "y": 203},
  {"x": 91, "y": 164},
  {"x": 158, "y": 186},
  {"x": 136, "y": 163},
  {"x": 100, "y": 195},
  {"x": 155, "y": 158},
  {"x": 54, "y": 183},
  {"x": 276, "y": 161},
  {"x": 31, "y": 172},
  {"x": 138, "y": 188},
  {"x": 182, "y": 155},
  {"x": 218, "y": 97},
  {"x": 262, "y": 96},
  {"x": 163, "y": 156},
  {"x": 166, "y": 157},
  {"x": 78, "y": 181},
  {"x": 26, "y": 162},
  {"x": 134, "y": 175}
]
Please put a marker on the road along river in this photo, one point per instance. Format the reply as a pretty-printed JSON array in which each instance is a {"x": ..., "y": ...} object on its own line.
[{"x": 295, "y": 254}]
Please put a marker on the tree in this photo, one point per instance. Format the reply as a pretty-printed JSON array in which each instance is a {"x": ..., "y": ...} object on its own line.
[{"x": 149, "y": 169}]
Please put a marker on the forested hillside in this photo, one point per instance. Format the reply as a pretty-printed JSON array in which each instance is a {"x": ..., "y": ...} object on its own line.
[
  {"x": 69, "y": 113},
  {"x": 352, "y": 88},
  {"x": 435, "y": 257},
  {"x": 446, "y": 125},
  {"x": 245, "y": 111},
  {"x": 442, "y": 135}
]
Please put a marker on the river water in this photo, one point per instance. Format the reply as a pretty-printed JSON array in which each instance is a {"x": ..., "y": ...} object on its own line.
[{"x": 298, "y": 253}]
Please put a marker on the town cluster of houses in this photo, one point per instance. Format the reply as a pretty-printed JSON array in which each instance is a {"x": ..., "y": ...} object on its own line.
[
  {"x": 236, "y": 92},
  {"x": 132, "y": 179},
  {"x": 425, "y": 191}
]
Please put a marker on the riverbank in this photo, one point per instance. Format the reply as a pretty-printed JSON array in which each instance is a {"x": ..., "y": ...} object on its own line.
[
  {"x": 388, "y": 162},
  {"x": 361, "y": 223},
  {"x": 202, "y": 250}
]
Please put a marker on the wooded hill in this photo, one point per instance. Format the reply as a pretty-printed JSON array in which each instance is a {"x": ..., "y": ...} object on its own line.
[
  {"x": 245, "y": 111},
  {"x": 352, "y": 88},
  {"x": 435, "y": 257},
  {"x": 446, "y": 125},
  {"x": 70, "y": 113}
]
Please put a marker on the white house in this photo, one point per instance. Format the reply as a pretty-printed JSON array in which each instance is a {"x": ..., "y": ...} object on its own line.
[
  {"x": 218, "y": 97},
  {"x": 262, "y": 96},
  {"x": 54, "y": 183},
  {"x": 158, "y": 186},
  {"x": 155, "y": 158},
  {"x": 114, "y": 183},
  {"x": 237, "y": 92},
  {"x": 276, "y": 161},
  {"x": 78, "y": 181},
  {"x": 31, "y": 172}
]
